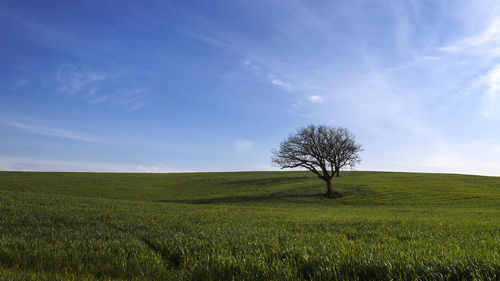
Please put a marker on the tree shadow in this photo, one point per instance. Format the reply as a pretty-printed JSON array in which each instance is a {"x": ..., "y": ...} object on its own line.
[
  {"x": 267, "y": 181},
  {"x": 272, "y": 197}
]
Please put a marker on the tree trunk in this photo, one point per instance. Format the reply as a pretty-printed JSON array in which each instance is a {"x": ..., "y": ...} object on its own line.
[
  {"x": 337, "y": 173},
  {"x": 329, "y": 190}
]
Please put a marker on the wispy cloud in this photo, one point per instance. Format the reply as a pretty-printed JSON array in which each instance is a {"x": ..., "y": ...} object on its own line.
[
  {"x": 74, "y": 79},
  {"x": 50, "y": 131},
  {"x": 316, "y": 99},
  {"x": 99, "y": 88},
  {"x": 252, "y": 66},
  {"x": 479, "y": 51},
  {"x": 281, "y": 84},
  {"x": 211, "y": 40},
  {"x": 479, "y": 156},
  {"x": 270, "y": 77},
  {"x": 473, "y": 156},
  {"x": 244, "y": 146},
  {"x": 485, "y": 37},
  {"x": 375, "y": 86},
  {"x": 491, "y": 97},
  {"x": 51, "y": 165}
]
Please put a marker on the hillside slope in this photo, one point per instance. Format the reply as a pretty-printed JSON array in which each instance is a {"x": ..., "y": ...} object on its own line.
[
  {"x": 359, "y": 188},
  {"x": 248, "y": 226}
]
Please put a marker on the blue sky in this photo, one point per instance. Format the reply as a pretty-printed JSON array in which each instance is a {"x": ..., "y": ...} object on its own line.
[{"x": 161, "y": 86}]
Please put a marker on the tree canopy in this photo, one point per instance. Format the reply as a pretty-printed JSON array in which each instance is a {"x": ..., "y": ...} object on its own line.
[{"x": 323, "y": 150}]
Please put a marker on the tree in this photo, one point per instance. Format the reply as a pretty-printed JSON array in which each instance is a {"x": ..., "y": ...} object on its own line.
[{"x": 323, "y": 150}]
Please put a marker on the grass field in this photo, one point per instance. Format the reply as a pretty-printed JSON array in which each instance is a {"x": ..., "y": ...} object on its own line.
[{"x": 248, "y": 226}]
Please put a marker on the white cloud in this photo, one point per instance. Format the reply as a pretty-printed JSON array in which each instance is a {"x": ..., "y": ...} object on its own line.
[
  {"x": 244, "y": 146},
  {"x": 282, "y": 84},
  {"x": 316, "y": 99},
  {"x": 50, "y": 131}
]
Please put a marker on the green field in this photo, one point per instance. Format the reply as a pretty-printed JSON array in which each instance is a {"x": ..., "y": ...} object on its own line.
[{"x": 248, "y": 226}]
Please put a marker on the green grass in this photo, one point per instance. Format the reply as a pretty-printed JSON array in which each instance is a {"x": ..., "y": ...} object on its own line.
[{"x": 248, "y": 226}]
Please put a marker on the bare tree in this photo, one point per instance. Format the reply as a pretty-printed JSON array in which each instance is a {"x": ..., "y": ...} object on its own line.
[{"x": 323, "y": 150}]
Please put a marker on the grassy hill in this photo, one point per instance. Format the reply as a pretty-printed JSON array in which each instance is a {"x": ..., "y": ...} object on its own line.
[{"x": 248, "y": 226}]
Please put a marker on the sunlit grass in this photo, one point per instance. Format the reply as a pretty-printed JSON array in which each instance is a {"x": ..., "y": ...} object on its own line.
[{"x": 248, "y": 226}]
